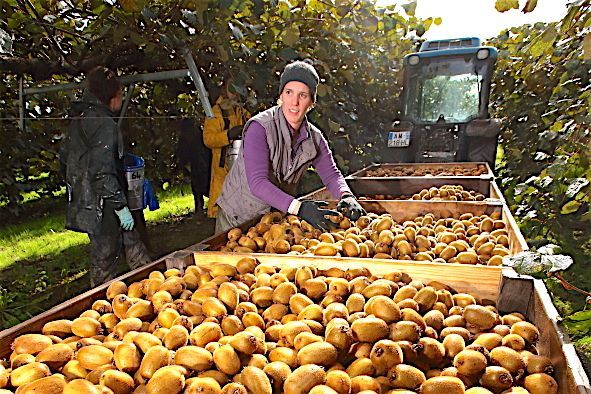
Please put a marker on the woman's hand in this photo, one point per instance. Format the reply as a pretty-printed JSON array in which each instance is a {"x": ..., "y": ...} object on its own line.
[
  {"x": 349, "y": 207},
  {"x": 313, "y": 213}
]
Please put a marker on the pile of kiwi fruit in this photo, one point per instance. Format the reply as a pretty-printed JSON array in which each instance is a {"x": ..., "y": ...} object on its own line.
[
  {"x": 256, "y": 328},
  {"x": 467, "y": 239},
  {"x": 453, "y": 170},
  {"x": 442, "y": 193}
]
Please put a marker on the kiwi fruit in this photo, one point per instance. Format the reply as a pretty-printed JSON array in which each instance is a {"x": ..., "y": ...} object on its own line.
[
  {"x": 361, "y": 366},
  {"x": 469, "y": 362},
  {"x": 406, "y": 377},
  {"x": 364, "y": 384},
  {"x": 255, "y": 380},
  {"x": 370, "y": 329},
  {"x": 385, "y": 354},
  {"x": 303, "y": 379},
  {"x": 443, "y": 384},
  {"x": 383, "y": 307},
  {"x": 478, "y": 390},
  {"x": 339, "y": 381},
  {"x": 50, "y": 384},
  {"x": 453, "y": 344},
  {"x": 405, "y": 331},
  {"x": 539, "y": 364},
  {"x": 28, "y": 373},
  {"x": 496, "y": 378},
  {"x": 55, "y": 356},
  {"x": 540, "y": 383},
  {"x": 319, "y": 353},
  {"x": 527, "y": 331},
  {"x": 507, "y": 358},
  {"x": 479, "y": 316},
  {"x": 322, "y": 389},
  {"x": 489, "y": 340},
  {"x": 286, "y": 355},
  {"x": 514, "y": 341},
  {"x": 431, "y": 350}
]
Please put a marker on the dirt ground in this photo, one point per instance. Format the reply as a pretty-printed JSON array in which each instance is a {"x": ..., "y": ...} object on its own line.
[{"x": 179, "y": 234}]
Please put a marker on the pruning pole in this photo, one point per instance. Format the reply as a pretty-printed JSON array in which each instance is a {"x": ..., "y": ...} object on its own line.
[
  {"x": 128, "y": 95},
  {"x": 203, "y": 96}
]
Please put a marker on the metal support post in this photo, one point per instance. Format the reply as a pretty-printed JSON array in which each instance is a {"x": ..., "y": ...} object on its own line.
[
  {"x": 128, "y": 95},
  {"x": 21, "y": 104},
  {"x": 198, "y": 83}
]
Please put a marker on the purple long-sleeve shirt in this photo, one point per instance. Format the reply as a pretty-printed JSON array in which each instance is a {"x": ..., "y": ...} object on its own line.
[{"x": 256, "y": 161}]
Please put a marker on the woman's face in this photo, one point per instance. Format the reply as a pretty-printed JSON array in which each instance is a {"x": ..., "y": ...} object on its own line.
[{"x": 296, "y": 99}]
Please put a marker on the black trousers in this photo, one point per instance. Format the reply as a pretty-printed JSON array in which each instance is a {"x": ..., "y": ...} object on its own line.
[{"x": 108, "y": 251}]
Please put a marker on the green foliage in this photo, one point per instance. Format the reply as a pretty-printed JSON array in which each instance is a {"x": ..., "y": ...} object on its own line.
[
  {"x": 540, "y": 264},
  {"x": 541, "y": 92},
  {"x": 356, "y": 47},
  {"x": 578, "y": 324}
]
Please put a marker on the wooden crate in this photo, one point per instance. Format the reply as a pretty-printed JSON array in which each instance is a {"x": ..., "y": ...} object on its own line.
[
  {"x": 407, "y": 186},
  {"x": 363, "y": 173},
  {"x": 402, "y": 210},
  {"x": 511, "y": 292},
  {"x": 519, "y": 294}
]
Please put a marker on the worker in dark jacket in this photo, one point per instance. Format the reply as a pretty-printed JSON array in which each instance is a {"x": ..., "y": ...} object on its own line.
[
  {"x": 92, "y": 156},
  {"x": 192, "y": 153}
]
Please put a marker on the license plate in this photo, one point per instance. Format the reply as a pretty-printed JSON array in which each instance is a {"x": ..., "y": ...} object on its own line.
[{"x": 398, "y": 139}]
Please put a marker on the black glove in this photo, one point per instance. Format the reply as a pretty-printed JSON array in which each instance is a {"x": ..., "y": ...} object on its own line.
[
  {"x": 312, "y": 212},
  {"x": 349, "y": 207},
  {"x": 235, "y": 132}
]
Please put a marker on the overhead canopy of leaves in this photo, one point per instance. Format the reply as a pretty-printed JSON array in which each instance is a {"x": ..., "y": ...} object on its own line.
[{"x": 356, "y": 47}]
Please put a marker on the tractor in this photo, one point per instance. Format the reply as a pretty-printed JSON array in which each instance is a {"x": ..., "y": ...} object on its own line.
[{"x": 444, "y": 115}]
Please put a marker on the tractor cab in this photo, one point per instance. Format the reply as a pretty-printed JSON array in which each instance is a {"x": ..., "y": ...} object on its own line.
[{"x": 445, "y": 97}]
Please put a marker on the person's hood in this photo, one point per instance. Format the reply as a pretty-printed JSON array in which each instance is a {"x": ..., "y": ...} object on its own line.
[{"x": 88, "y": 100}]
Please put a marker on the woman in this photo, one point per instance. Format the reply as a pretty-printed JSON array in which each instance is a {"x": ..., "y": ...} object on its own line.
[{"x": 279, "y": 144}]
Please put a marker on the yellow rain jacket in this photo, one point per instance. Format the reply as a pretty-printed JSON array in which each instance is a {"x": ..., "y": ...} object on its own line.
[{"x": 215, "y": 137}]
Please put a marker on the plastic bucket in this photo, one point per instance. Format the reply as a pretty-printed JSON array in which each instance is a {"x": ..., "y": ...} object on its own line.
[{"x": 133, "y": 168}]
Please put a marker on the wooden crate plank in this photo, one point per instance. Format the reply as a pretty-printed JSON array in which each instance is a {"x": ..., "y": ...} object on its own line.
[
  {"x": 517, "y": 241},
  {"x": 555, "y": 343},
  {"x": 495, "y": 192},
  {"x": 512, "y": 293},
  {"x": 482, "y": 280}
]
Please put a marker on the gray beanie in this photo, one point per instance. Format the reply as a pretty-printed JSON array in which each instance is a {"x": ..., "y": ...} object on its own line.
[{"x": 301, "y": 72}]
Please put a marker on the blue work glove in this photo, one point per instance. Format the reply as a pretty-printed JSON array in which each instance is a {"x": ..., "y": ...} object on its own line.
[
  {"x": 349, "y": 207},
  {"x": 313, "y": 213},
  {"x": 125, "y": 218}
]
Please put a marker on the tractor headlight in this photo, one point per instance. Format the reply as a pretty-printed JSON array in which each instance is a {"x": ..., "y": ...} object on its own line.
[
  {"x": 413, "y": 60},
  {"x": 482, "y": 54}
]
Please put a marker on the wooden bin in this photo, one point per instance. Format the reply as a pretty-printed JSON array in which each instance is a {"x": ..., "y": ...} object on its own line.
[
  {"x": 408, "y": 186},
  {"x": 511, "y": 292},
  {"x": 520, "y": 294},
  {"x": 402, "y": 210},
  {"x": 480, "y": 183},
  {"x": 423, "y": 167}
]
